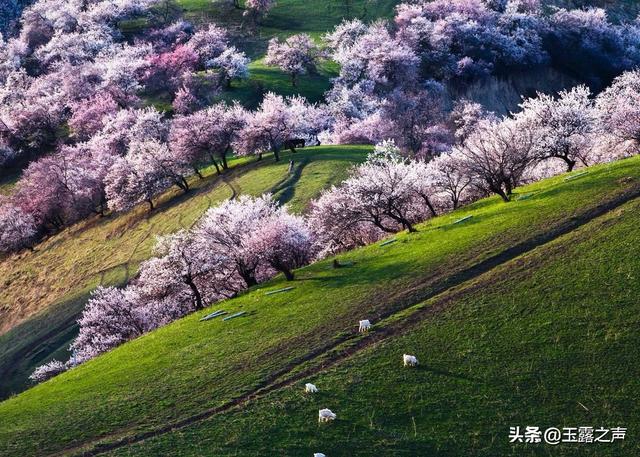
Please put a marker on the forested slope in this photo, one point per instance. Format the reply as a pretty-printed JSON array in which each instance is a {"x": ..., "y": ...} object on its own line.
[
  {"x": 191, "y": 369},
  {"x": 44, "y": 291}
]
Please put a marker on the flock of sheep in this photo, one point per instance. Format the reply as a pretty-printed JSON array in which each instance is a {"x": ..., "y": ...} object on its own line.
[{"x": 325, "y": 414}]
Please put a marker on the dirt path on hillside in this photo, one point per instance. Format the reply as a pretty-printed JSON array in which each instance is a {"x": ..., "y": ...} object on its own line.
[{"x": 340, "y": 349}]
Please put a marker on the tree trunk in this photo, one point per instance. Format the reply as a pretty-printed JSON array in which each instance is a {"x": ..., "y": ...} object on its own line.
[
  {"x": 502, "y": 194},
  {"x": 259, "y": 156},
  {"x": 249, "y": 279},
  {"x": 570, "y": 164},
  {"x": 223, "y": 158},
  {"x": 197, "y": 172},
  {"x": 409, "y": 226},
  {"x": 430, "y": 206},
  {"x": 287, "y": 273},
  {"x": 150, "y": 202},
  {"x": 196, "y": 293},
  {"x": 215, "y": 164},
  {"x": 276, "y": 154},
  {"x": 509, "y": 188},
  {"x": 182, "y": 184}
]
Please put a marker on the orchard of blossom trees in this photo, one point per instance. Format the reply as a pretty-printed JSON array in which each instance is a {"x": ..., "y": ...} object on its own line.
[
  {"x": 243, "y": 242},
  {"x": 75, "y": 117},
  {"x": 72, "y": 92}
]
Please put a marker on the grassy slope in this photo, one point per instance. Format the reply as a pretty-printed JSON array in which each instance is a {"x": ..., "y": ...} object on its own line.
[
  {"x": 529, "y": 343},
  {"x": 188, "y": 367},
  {"x": 40, "y": 303}
]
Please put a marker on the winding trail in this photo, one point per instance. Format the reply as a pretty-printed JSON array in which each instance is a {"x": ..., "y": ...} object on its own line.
[{"x": 343, "y": 347}]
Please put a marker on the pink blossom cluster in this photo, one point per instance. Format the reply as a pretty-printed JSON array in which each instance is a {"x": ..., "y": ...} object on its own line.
[{"x": 232, "y": 247}]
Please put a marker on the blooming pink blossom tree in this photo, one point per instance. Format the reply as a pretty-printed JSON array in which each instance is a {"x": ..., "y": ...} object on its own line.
[
  {"x": 89, "y": 115},
  {"x": 17, "y": 227},
  {"x": 48, "y": 371},
  {"x": 563, "y": 128},
  {"x": 296, "y": 56},
  {"x": 110, "y": 318},
  {"x": 207, "y": 133},
  {"x": 231, "y": 64},
  {"x": 378, "y": 57},
  {"x": 384, "y": 195},
  {"x": 284, "y": 242},
  {"x": 276, "y": 122},
  {"x": 255, "y": 10},
  {"x": 452, "y": 185},
  {"x": 185, "y": 272},
  {"x": 209, "y": 43},
  {"x": 148, "y": 169},
  {"x": 166, "y": 69},
  {"x": 226, "y": 229},
  {"x": 496, "y": 155},
  {"x": 619, "y": 108}
]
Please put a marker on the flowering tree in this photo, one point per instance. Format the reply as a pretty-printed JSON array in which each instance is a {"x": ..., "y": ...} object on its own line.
[
  {"x": 383, "y": 195},
  {"x": 226, "y": 229},
  {"x": 564, "y": 127},
  {"x": 209, "y": 44},
  {"x": 89, "y": 115},
  {"x": 232, "y": 64},
  {"x": 207, "y": 133},
  {"x": 464, "y": 40},
  {"x": 185, "y": 272},
  {"x": 378, "y": 57},
  {"x": 284, "y": 242},
  {"x": 584, "y": 43},
  {"x": 410, "y": 117},
  {"x": 17, "y": 228},
  {"x": 197, "y": 91},
  {"x": 148, "y": 169},
  {"x": 257, "y": 9},
  {"x": 345, "y": 34},
  {"x": 166, "y": 69},
  {"x": 452, "y": 186},
  {"x": 297, "y": 55},
  {"x": 59, "y": 189},
  {"x": 47, "y": 371},
  {"x": 110, "y": 318},
  {"x": 185, "y": 101},
  {"x": 465, "y": 116},
  {"x": 334, "y": 226},
  {"x": 619, "y": 108},
  {"x": 496, "y": 155},
  {"x": 275, "y": 123}
]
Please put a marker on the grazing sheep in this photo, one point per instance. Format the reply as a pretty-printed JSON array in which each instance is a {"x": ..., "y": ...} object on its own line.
[
  {"x": 325, "y": 415},
  {"x": 409, "y": 360},
  {"x": 310, "y": 388},
  {"x": 364, "y": 325}
]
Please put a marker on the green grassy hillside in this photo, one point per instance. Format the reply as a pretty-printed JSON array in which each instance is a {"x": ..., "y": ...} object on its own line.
[
  {"x": 541, "y": 340},
  {"x": 40, "y": 304},
  {"x": 191, "y": 370}
]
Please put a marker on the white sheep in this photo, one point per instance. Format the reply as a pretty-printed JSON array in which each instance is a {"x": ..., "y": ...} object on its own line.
[
  {"x": 409, "y": 360},
  {"x": 364, "y": 325},
  {"x": 326, "y": 415},
  {"x": 310, "y": 388},
  {"x": 319, "y": 454}
]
